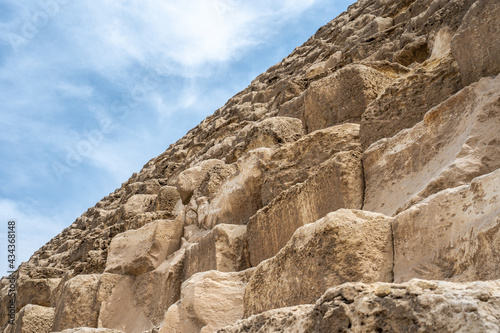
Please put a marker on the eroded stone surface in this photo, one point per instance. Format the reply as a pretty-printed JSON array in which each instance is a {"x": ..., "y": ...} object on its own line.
[
  {"x": 135, "y": 252},
  {"x": 457, "y": 141},
  {"x": 416, "y": 306},
  {"x": 209, "y": 301},
  {"x": 223, "y": 249},
  {"x": 476, "y": 45},
  {"x": 342, "y": 96},
  {"x": 460, "y": 228},
  {"x": 338, "y": 183},
  {"x": 348, "y": 245},
  {"x": 80, "y": 301},
  {"x": 34, "y": 319}
]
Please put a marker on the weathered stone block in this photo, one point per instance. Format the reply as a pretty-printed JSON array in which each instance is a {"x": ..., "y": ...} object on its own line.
[{"x": 345, "y": 246}]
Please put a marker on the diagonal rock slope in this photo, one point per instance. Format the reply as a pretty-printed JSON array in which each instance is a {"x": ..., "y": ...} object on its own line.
[{"x": 371, "y": 154}]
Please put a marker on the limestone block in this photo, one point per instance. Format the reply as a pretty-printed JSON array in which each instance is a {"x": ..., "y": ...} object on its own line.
[
  {"x": 268, "y": 133},
  {"x": 190, "y": 179},
  {"x": 35, "y": 291},
  {"x": 34, "y": 319},
  {"x": 416, "y": 306},
  {"x": 223, "y": 249},
  {"x": 209, "y": 301},
  {"x": 294, "y": 162},
  {"x": 338, "y": 183},
  {"x": 404, "y": 103},
  {"x": 135, "y": 252},
  {"x": 344, "y": 246},
  {"x": 460, "y": 228},
  {"x": 168, "y": 199},
  {"x": 457, "y": 141},
  {"x": 80, "y": 300},
  {"x": 476, "y": 45},
  {"x": 239, "y": 197},
  {"x": 147, "y": 297},
  {"x": 342, "y": 96}
]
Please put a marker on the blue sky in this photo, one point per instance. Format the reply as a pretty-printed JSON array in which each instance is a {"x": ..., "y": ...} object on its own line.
[{"x": 91, "y": 90}]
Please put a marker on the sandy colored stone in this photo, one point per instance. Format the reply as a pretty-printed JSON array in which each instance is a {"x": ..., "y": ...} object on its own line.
[
  {"x": 344, "y": 246},
  {"x": 135, "y": 252},
  {"x": 457, "y": 141},
  {"x": 338, "y": 183},
  {"x": 404, "y": 103},
  {"x": 35, "y": 291},
  {"x": 476, "y": 45},
  {"x": 90, "y": 330},
  {"x": 416, "y": 306},
  {"x": 342, "y": 96},
  {"x": 293, "y": 163},
  {"x": 34, "y": 319},
  {"x": 223, "y": 249},
  {"x": 147, "y": 297},
  {"x": 209, "y": 301},
  {"x": 239, "y": 197},
  {"x": 80, "y": 300},
  {"x": 267, "y": 133},
  {"x": 168, "y": 199},
  {"x": 190, "y": 179},
  {"x": 460, "y": 228}
]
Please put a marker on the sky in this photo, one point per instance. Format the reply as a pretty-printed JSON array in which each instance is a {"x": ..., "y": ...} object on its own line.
[{"x": 92, "y": 90}]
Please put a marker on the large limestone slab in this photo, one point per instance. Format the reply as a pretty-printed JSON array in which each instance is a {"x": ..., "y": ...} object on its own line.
[
  {"x": 209, "y": 301},
  {"x": 338, "y": 183},
  {"x": 476, "y": 45},
  {"x": 460, "y": 228},
  {"x": 223, "y": 249},
  {"x": 135, "y": 252},
  {"x": 147, "y": 297},
  {"x": 404, "y": 103},
  {"x": 268, "y": 133},
  {"x": 238, "y": 197},
  {"x": 416, "y": 306},
  {"x": 344, "y": 246},
  {"x": 457, "y": 141},
  {"x": 343, "y": 96},
  {"x": 34, "y": 319},
  {"x": 190, "y": 179},
  {"x": 81, "y": 298},
  {"x": 295, "y": 162}
]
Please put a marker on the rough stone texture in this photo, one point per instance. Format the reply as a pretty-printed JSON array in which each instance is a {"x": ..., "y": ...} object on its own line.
[
  {"x": 342, "y": 96},
  {"x": 81, "y": 298},
  {"x": 224, "y": 249},
  {"x": 268, "y": 133},
  {"x": 404, "y": 103},
  {"x": 36, "y": 291},
  {"x": 460, "y": 228},
  {"x": 239, "y": 197},
  {"x": 295, "y": 162},
  {"x": 209, "y": 301},
  {"x": 416, "y": 306},
  {"x": 90, "y": 330},
  {"x": 457, "y": 141},
  {"x": 135, "y": 252},
  {"x": 476, "y": 45},
  {"x": 338, "y": 183},
  {"x": 147, "y": 297},
  {"x": 190, "y": 179},
  {"x": 34, "y": 319},
  {"x": 344, "y": 246}
]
